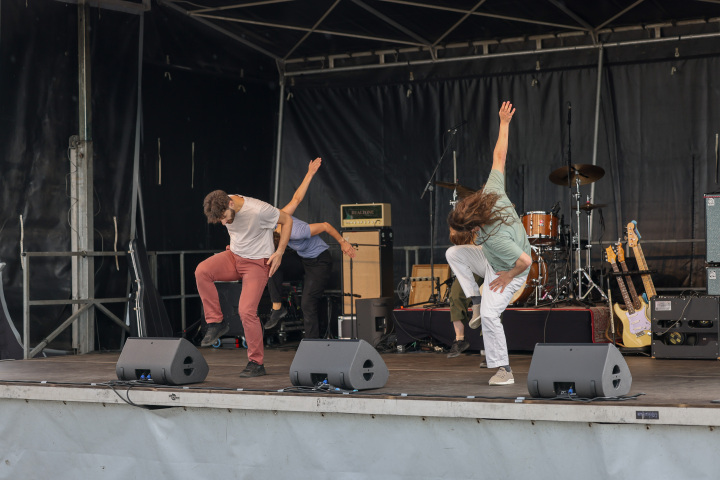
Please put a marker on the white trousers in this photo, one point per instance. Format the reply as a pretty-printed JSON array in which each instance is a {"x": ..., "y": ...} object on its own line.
[{"x": 466, "y": 260}]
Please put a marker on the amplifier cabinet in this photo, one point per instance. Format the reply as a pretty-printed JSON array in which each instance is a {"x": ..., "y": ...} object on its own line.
[
  {"x": 685, "y": 327},
  {"x": 713, "y": 279},
  {"x": 370, "y": 274},
  {"x": 712, "y": 228}
]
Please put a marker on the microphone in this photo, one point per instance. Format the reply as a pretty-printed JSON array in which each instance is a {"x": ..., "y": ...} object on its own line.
[
  {"x": 449, "y": 130},
  {"x": 569, "y": 113}
]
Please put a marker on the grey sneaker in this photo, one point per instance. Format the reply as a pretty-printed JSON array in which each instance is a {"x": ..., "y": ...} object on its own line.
[
  {"x": 213, "y": 332},
  {"x": 457, "y": 348},
  {"x": 502, "y": 377},
  {"x": 483, "y": 363},
  {"x": 475, "y": 321}
]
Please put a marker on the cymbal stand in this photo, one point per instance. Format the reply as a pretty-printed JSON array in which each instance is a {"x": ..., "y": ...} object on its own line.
[{"x": 583, "y": 271}]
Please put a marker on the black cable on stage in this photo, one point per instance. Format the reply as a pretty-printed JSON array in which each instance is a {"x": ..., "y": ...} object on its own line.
[{"x": 320, "y": 388}]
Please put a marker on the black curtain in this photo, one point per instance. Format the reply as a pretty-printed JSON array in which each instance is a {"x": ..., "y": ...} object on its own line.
[
  {"x": 380, "y": 143},
  {"x": 39, "y": 91},
  {"x": 201, "y": 97}
]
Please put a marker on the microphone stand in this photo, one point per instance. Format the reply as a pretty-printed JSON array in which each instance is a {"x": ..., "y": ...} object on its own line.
[
  {"x": 571, "y": 255},
  {"x": 430, "y": 188}
]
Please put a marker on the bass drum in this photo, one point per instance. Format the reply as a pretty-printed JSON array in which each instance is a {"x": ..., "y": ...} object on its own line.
[{"x": 536, "y": 277}]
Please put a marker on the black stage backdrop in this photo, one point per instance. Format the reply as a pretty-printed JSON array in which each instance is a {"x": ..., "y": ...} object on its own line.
[
  {"x": 186, "y": 99},
  {"x": 655, "y": 142},
  {"x": 39, "y": 92},
  {"x": 380, "y": 135}
]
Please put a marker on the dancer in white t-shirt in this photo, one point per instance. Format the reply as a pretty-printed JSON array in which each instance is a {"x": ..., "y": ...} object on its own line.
[{"x": 250, "y": 257}]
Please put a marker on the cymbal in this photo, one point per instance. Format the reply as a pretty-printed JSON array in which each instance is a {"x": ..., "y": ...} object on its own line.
[
  {"x": 462, "y": 191},
  {"x": 590, "y": 206},
  {"x": 585, "y": 173}
]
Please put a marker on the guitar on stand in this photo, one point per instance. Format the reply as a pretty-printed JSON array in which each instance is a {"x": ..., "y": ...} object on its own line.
[
  {"x": 633, "y": 236},
  {"x": 636, "y": 326},
  {"x": 640, "y": 304}
]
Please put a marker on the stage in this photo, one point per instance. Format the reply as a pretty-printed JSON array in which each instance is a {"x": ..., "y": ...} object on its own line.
[
  {"x": 524, "y": 327},
  {"x": 435, "y": 418}
]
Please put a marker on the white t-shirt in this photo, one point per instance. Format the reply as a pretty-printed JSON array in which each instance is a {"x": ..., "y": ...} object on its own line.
[{"x": 251, "y": 233}]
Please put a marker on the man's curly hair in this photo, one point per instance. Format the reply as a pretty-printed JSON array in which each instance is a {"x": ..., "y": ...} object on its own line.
[
  {"x": 478, "y": 210},
  {"x": 215, "y": 205}
]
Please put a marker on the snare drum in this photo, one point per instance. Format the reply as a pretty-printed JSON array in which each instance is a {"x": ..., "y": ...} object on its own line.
[{"x": 542, "y": 228}]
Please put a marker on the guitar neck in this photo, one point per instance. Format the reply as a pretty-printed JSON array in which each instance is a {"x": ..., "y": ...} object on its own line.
[
  {"x": 623, "y": 290},
  {"x": 631, "y": 287},
  {"x": 646, "y": 278}
]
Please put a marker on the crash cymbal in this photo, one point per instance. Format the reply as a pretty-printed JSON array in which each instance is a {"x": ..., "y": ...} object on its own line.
[
  {"x": 585, "y": 173},
  {"x": 462, "y": 191},
  {"x": 590, "y": 206}
]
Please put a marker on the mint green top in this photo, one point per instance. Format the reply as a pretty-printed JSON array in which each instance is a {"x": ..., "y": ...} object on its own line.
[{"x": 503, "y": 244}]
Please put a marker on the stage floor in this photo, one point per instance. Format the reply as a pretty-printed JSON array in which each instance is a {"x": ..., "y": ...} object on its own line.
[{"x": 413, "y": 375}]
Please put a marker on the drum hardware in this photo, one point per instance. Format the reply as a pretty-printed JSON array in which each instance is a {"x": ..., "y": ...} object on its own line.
[
  {"x": 581, "y": 175},
  {"x": 459, "y": 191}
]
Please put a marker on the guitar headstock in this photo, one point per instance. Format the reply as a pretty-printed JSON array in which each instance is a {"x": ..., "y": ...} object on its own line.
[
  {"x": 632, "y": 234},
  {"x": 620, "y": 253},
  {"x": 611, "y": 257}
]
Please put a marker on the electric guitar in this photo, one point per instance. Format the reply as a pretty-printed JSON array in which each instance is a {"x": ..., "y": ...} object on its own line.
[
  {"x": 633, "y": 234},
  {"x": 636, "y": 327},
  {"x": 636, "y": 301}
]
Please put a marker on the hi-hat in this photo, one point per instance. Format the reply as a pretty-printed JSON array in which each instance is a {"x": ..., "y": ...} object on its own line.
[
  {"x": 590, "y": 206},
  {"x": 461, "y": 190},
  {"x": 584, "y": 173}
]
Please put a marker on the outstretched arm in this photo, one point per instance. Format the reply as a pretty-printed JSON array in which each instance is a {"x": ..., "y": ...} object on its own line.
[
  {"x": 501, "y": 147},
  {"x": 347, "y": 249},
  {"x": 302, "y": 189}
]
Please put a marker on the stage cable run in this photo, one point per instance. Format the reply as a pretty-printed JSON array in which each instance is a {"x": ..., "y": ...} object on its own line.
[{"x": 322, "y": 387}]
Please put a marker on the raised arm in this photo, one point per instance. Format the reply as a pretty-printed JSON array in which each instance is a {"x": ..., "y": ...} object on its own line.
[
  {"x": 501, "y": 147},
  {"x": 316, "y": 228},
  {"x": 302, "y": 189}
]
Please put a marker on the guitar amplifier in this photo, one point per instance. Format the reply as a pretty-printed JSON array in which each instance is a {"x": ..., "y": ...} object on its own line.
[
  {"x": 713, "y": 280},
  {"x": 365, "y": 215},
  {"x": 685, "y": 327},
  {"x": 712, "y": 228}
]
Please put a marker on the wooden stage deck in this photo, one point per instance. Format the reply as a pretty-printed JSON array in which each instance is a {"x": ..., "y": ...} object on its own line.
[{"x": 419, "y": 375}]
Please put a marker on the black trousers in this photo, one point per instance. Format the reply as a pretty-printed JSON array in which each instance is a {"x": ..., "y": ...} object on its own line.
[{"x": 316, "y": 275}]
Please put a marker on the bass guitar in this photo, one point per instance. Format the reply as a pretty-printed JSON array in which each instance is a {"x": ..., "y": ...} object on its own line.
[
  {"x": 636, "y": 326},
  {"x": 633, "y": 235}
]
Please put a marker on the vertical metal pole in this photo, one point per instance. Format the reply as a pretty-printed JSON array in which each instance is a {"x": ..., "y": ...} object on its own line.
[
  {"x": 183, "y": 307},
  {"x": 26, "y": 306},
  {"x": 83, "y": 228},
  {"x": 595, "y": 139},
  {"x": 138, "y": 123},
  {"x": 279, "y": 139}
]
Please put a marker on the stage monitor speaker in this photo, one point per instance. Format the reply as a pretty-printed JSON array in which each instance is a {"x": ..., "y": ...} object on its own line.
[
  {"x": 712, "y": 228},
  {"x": 170, "y": 361},
  {"x": 372, "y": 267},
  {"x": 348, "y": 364},
  {"x": 374, "y": 318},
  {"x": 587, "y": 370}
]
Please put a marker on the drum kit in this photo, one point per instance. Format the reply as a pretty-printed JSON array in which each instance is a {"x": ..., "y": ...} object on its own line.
[{"x": 555, "y": 274}]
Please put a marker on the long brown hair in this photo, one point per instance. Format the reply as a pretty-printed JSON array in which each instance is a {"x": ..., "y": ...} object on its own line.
[{"x": 478, "y": 210}]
